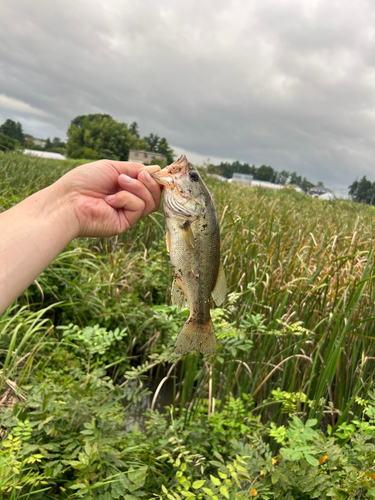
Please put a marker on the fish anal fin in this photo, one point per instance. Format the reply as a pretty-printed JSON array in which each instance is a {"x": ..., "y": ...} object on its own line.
[
  {"x": 220, "y": 289},
  {"x": 177, "y": 295},
  {"x": 195, "y": 336}
]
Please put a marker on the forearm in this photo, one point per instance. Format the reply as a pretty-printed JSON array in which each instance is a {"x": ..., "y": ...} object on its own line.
[{"x": 32, "y": 234}]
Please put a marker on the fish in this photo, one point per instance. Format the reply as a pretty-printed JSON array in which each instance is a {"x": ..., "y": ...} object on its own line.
[{"x": 193, "y": 244}]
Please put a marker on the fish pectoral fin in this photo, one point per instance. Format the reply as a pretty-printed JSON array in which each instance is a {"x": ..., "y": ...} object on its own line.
[
  {"x": 177, "y": 296},
  {"x": 168, "y": 241},
  {"x": 196, "y": 336},
  {"x": 188, "y": 236},
  {"x": 220, "y": 290}
]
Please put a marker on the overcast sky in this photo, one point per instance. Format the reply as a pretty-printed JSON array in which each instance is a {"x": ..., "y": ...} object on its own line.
[{"x": 286, "y": 83}]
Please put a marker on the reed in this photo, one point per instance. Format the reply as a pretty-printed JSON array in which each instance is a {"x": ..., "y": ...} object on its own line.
[{"x": 306, "y": 262}]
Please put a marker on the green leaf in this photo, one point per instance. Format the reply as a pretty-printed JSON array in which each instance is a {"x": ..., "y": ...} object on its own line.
[
  {"x": 198, "y": 484},
  {"x": 311, "y": 422},
  {"x": 188, "y": 494},
  {"x": 138, "y": 476},
  {"x": 311, "y": 460},
  {"x": 235, "y": 477},
  {"x": 79, "y": 486},
  {"x": 215, "y": 480},
  {"x": 224, "y": 491}
]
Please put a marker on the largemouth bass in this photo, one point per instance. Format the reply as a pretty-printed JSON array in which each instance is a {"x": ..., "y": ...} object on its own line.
[{"x": 193, "y": 243}]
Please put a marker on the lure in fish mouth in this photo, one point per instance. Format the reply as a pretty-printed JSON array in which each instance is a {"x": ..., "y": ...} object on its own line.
[{"x": 193, "y": 243}]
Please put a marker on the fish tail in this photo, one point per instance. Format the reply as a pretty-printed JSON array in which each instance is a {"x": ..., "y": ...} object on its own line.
[{"x": 194, "y": 335}]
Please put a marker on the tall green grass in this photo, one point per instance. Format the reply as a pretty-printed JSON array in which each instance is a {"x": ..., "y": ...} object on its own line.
[{"x": 302, "y": 261}]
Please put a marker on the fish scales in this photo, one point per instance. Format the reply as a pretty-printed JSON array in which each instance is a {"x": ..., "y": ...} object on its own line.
[
  {"x": 193, "y": 242},
  {"x": 196, "y": 267}
]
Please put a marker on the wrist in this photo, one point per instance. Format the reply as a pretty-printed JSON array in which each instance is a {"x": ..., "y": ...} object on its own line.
[{"x": 53, "y": 204}]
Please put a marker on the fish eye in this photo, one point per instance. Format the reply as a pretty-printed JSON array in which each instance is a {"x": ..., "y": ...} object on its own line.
[{"x": 194, "y": 176}]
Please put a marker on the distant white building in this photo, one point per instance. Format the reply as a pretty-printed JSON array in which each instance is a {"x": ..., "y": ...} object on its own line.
[
  {"x": 248, "y": 180},
  {"x": 44, "y": 154},
  {"x": 327, "y": 196},
  {"x": 36, "y": 142},
  {"x": 318, "y": 191},
  {"x": 267, "y": 185},
  {"x": 144, "y": 156}
]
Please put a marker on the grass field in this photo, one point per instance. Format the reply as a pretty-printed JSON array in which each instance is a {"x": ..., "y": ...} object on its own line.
[{"x": 296, "y": 344}]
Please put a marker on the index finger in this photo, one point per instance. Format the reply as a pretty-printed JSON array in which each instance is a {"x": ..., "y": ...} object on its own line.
[{"x": 132, "y": 169}]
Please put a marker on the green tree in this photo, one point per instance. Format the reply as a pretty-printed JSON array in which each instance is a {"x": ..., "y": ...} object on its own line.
[
  {"x": 152, "y": 142},
  {"x": 58, "y": 143},
  {"x": 282, "y": 177},
  {"x": 13, "y": 130},
  {"x": 164, "y": 149},
  {"x": 295, "y": 179},
  {"x": 99, "y": 133},
  {"x": 228, "y": 169},
  {"x": 265, "y": 173},
  {"x": 363, "y": 191},
  {"x": 305, "y": 185},
  {"x": 157, "y": 145},
  {"x": 133, "y": 129},
  {"x": 58, "y": 146}
]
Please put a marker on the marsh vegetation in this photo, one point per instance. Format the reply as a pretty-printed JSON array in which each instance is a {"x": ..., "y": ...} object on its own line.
[{"x": 284, "y": 409}]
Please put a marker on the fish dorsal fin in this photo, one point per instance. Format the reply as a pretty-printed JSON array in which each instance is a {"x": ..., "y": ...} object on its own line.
[
  {"x": 220, "y": 290},
  {"x": 177, "y": 296}
]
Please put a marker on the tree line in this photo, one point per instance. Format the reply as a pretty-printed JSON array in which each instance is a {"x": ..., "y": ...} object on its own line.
[
  {"x": 262, "y": 173},
  {"x": 12, "y": 137},
  {"x": 91, "y": 137},
  {"x": 97, "y": 136}
]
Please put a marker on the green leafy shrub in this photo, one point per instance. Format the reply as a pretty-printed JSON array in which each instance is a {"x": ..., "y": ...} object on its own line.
[{"x": 84, "y": 153}]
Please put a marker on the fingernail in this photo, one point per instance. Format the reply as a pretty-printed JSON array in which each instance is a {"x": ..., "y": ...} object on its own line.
[
  {"x": 127, "y": 179},
  {"x": 110, "y": 197},
  {"x": 147, "y": 176}
]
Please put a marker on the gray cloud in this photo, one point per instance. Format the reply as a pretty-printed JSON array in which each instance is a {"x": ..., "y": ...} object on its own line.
[{"x": 290, "y": 83}]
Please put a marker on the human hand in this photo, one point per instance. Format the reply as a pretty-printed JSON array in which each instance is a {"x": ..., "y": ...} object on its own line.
[{"x": 108, "y": 197}]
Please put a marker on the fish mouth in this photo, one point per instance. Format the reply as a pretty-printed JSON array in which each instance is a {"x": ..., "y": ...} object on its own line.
[{"x": 165, "y": 177}]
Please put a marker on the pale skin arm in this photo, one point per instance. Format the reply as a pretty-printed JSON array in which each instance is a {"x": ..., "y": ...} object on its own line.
[{"x": 98, "y": 199}]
